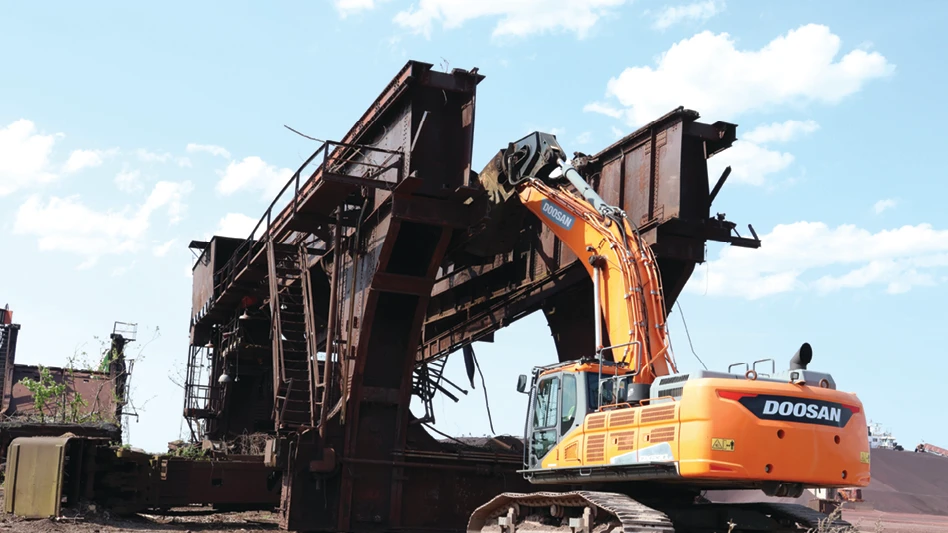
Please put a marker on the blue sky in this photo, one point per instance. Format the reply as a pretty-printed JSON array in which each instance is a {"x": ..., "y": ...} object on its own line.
[{"x": 127, "y": 131}]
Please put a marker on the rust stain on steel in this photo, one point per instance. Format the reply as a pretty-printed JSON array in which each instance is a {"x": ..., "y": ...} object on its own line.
[
  {"x": 246, "y": 482},
  {"x": 90, "y": 405},
  {"x": 129, "y": 481},
  {"x": 95, "y": 389}
]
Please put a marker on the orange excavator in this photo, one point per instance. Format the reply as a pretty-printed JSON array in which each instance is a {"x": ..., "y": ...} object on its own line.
[{"x": 623, "y": 439}]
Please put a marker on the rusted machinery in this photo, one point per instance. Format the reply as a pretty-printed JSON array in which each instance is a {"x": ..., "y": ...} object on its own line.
[
  {"x": 932, "y": 449},
  {"x": 384, "y": 253},
  {"x": 92, "y": 401},
  {"x": 46, "y": 475}
]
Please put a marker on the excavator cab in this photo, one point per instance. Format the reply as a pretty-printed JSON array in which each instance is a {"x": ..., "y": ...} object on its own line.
[{"x": 561, "y": 396}]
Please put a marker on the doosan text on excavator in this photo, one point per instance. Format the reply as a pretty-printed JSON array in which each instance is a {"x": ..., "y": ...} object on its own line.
[{"x": 623, "y": 437}]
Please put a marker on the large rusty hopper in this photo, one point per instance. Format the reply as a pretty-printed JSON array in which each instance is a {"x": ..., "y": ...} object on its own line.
[{"x": 513, "y": 265}]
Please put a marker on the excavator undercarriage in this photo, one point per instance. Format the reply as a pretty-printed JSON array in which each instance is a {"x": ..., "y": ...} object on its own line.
[{"x": 681, "y": 511}]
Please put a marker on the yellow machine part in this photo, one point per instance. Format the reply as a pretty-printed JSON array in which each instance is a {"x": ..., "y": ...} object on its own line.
[
  {"x": 714, "y": 439},
  {"x": 34, "y": 476}
]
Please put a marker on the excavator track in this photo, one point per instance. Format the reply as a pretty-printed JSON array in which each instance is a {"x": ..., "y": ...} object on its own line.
[
  {"x": 608, "y": 512},
  {"x": 628, "y": 515}
]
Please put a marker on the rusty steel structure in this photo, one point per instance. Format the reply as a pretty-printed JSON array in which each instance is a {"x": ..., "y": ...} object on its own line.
[
  {"x": 48, "y": 475},
  {"x": 384, "y": 253},
  {"x": 92, "y": 402}
]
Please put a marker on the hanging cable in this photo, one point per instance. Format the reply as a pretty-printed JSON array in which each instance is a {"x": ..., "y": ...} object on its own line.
[
  {"x": 303, "y": 134},
  {"x": 682, "y": 313},
  {"x": 484, "y": 386}
]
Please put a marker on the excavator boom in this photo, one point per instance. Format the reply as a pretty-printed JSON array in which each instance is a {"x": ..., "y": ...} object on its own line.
[{"x": 628, "y": 289}]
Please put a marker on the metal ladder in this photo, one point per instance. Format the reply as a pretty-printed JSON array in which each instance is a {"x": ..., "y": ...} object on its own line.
[{"x": 292, "y": 368}]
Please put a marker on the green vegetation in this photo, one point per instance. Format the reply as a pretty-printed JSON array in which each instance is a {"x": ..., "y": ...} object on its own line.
[
  {"x": 45, "y": 390},
  {"x": 192, "y": 451}
]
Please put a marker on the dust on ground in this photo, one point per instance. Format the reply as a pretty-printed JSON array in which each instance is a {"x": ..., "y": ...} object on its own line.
[
  {"x": 190, "y": 519},
  {"x": 867, "y": 520}
]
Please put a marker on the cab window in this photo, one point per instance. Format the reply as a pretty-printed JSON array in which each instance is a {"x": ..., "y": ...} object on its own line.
[
  {"x": 544, "y": 413},
  {"x": 568, "y": 408},
  {"x": 544, "y": 418}
]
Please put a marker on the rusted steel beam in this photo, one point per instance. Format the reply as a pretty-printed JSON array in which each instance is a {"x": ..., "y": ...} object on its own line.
[
  {"x": 388, "y": 265},
  {"x": 501, "y": 314},
  {"x": 344, "y": 179},
  {"x": 402, "y": 284},
  {"x": 9, "y": 333},
  {"x": 453, "y": 213}
]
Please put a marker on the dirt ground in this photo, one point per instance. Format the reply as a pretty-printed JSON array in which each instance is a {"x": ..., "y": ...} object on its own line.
[
  {"x": 103, "y": 523},
  {"x": 199, "y": 520},
  {"x": 867, "y": 520}
]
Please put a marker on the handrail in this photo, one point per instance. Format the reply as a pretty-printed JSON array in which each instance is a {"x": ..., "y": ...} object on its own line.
[{"x": 247, "y": 250}]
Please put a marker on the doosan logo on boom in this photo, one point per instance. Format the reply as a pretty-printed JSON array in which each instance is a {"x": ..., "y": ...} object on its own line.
[
  {"x": 554, "y": 213},
  {"x": 803, "y": 410}
]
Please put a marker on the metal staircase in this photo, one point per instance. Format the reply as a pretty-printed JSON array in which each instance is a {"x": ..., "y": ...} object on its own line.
[
  {"x": 293, "y": 383},
  {"x": 201, "y": 393},
  {"x": 312, "y": 348}
]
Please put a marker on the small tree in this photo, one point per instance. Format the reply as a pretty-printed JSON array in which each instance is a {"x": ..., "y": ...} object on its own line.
[{"x": 44, "y": 390}]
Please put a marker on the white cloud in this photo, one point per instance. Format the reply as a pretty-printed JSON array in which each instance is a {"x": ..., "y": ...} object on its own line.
[
  {"x": 584, "y": 138},
  {"x": 603, "y": 109},
  {"x": 236, "y": 225},
  {"x": 750, "y": 163},
  {"x": 161, "y": 250},
  {"x": 170, "y": 194},
  {"x": 252, "y": 173},
  {"x": 348, "y": 7},
  {"x": 148, "y": 156},
  {"x": 707, "y": 72},
  {"x": 24, "y": 157},
  {"x": 697, "y": 11},
  {"x": 617, "y": 133},
  {"x": 81, "y": 159},
  {"x": 69, "y": 225},
  {"x": 781, "y": 131},
  {"x": 122, "y": 270},
  {"x": 796, "y": 257},
  {"x": 882, "y": 205},
  {"x": 518, "y": 18},
  {"x": 193, "y": 148},
  {"x": 129, "y": 181},
  {"x": 153, "y": 157}
]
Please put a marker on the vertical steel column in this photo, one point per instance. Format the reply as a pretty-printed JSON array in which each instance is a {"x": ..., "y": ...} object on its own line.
[{"x": 331, "y": 325}]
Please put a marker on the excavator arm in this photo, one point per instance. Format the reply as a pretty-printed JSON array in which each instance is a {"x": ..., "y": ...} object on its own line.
[{"x": 627, "y": 285}]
